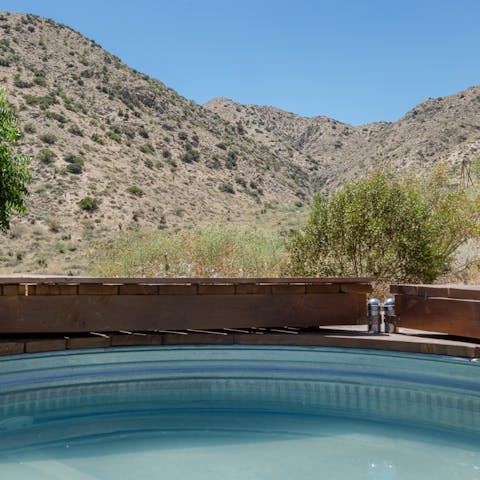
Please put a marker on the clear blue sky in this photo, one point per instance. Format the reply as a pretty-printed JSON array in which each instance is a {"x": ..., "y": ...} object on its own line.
[{"x": 355, "y": 60}]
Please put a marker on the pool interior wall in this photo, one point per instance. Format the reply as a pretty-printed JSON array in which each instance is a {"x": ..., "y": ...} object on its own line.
[{"x": 426, "y": 391}]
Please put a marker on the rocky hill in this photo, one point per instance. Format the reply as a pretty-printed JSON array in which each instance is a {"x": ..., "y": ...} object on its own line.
[
  {"x": 115, "y": 149},
  {"x": 147, "y": 156}
]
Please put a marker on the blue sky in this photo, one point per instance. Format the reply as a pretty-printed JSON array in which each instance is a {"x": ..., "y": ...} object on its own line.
[{"x": 355, "y": 60}]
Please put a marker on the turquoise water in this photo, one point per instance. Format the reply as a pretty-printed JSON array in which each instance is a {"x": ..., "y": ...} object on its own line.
[{"x": 239, "y": 413}]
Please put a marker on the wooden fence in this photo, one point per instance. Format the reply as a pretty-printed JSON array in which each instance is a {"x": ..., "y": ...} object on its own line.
[{"x": 74, "y": 304}]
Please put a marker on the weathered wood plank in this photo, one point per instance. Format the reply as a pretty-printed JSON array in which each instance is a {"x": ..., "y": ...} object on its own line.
[
  {"x": 453, "y": 316},
  {"x": 398, "y": 343},
  {"x": 107, "y": 313},
  {"x": 45, "y": 345},
  {"x": 253, "y": 289},
  {"x": 467, "y": 292},
  {"x": 52, "y": 279},
  {"x": 12, "y": 347}
]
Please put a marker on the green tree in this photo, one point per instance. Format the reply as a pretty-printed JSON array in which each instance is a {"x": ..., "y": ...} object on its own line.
[
  {"x": 14, "y": 173},
  {"x": 397, "y": 229}
]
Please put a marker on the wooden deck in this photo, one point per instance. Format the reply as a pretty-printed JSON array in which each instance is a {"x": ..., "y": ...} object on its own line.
[
  {"x": 336, "y": 336},
  {"x": 48, "y": 313}
]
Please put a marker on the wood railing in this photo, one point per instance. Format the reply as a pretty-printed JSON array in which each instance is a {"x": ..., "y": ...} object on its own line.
[
  {"x": 82, "y": 304},
  {"x": 452, "y": 309}
]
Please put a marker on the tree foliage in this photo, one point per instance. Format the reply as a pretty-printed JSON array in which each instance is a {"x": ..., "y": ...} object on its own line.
[
  {"x": 396, "y": 229},
  {"x": 14, "y": 173}
]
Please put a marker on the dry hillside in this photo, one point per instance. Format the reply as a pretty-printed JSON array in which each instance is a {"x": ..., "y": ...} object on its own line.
[{"x": 151, "y": 159}]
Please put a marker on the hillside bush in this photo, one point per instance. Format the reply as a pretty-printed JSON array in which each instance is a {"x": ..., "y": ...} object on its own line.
[
  {"x": 48, "y": 138},
  {"x": 397, "y": 229},
  {"x": 29, "y": 128},
  {"x": 226, "y": 187},
  {"x": 231, "y": 160},
  {"x": 72, "y": 158},
  {"x": 74, "y": 168},
  {"x": 135, "y": 191},
  {"x": 76, "y": 130},
  {"x": 89, "y": 204},
  {"x": 147, "y": 148},
  {"x": 97, "y": 138},
  {"x": 190, "y": 156},
  {"x": 46, "y": 156}
]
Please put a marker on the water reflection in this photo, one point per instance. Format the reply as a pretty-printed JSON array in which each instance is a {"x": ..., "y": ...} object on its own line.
[{"x": 382, "y": 470}]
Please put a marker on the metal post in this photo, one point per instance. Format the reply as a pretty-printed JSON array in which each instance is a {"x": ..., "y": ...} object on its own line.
[
  {"x": 374, "y": 315},
  {"x": 389, "y": 315}
]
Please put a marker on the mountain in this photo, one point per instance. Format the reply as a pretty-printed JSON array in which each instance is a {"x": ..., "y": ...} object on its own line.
[
  {"x": 438, "y": 130},
  {"x": 104, "y": 135}
]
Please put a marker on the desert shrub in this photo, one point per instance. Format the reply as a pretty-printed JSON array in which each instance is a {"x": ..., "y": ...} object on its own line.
[
  {"x": 48, "y": 138},
  {"x": 172, "y": 163},
  {"x": 221, "y": 145},
  {"x": 166, "y": 153},
  {"x": 182, "y": 135},
  {"x": 56, "y": 116},
  {"x": 226, "y": 187},
  {"x": 46, "y": 156},
  {"x": 231, "y": 160},
  {"x": 241, "y": 181},
  {"x": 397, "y": 229},
  {"x": 43, "y": 102},
  {"x": 190, "y": 156},
  {"x": 135, "y": 191},
  {"x": 148, "y": 163},
  {"x": 29, "y": 128},
  {"x": 76, "y": 130},
  {"x": 89, "y": 204},
  {"x": 114, "y": 136},
  {"x": 97, "y": 138},
  {"x": 72, "y": 158},
  {"x": 143, "y": 133},
  {"x": 147, "y": 148},
  {"x": 75, "y": 168},
  {"x": 19, "y": 83}
]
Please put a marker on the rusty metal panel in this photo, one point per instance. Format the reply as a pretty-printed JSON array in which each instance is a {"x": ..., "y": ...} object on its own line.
[
  {"x": 107, "y": 313},
  {"x": 453, "y": 316}
]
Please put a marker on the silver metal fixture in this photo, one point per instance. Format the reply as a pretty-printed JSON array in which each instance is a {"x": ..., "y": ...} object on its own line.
[
  {"x": 389, "y": 318},
  {"x": 374, "y": 315}
]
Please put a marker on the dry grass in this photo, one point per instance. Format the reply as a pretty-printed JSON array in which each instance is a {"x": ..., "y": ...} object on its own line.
[{"x": 210, "y": 251}]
